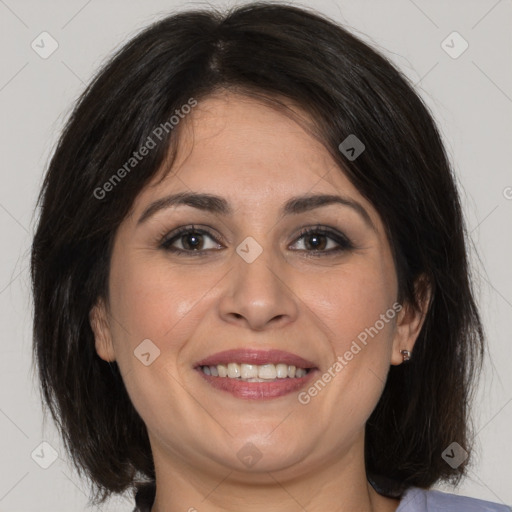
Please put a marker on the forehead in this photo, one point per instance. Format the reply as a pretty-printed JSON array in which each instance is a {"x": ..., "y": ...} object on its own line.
[
  {"x": 251, "y": 153},
  {"x": 245, "y": 138},
  {"x": 232, "y": 138}
]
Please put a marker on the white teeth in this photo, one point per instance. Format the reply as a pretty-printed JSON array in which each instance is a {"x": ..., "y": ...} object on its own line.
[
  {"x": 300, "y": 372},
  {"x": 282, "y": 371},
  {"x": 267, "y": 371},
  {"x": 248, "y": 371},
  {"x": 233, "y": 370},
  {"x": 254, "y": 372}
]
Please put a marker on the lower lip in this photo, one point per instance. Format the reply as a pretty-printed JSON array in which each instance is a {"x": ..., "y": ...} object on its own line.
[{"x": 258, "y": 390}]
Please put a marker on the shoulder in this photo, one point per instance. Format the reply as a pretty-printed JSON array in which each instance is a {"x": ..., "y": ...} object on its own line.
[{"x": 421, "y": 500}]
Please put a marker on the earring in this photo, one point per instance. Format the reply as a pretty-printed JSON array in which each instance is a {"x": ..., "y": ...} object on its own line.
[{"x": 406, "y": 355}]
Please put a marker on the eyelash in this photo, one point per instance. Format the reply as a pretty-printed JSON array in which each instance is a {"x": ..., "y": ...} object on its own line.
[{"x": 344, "y": 244}]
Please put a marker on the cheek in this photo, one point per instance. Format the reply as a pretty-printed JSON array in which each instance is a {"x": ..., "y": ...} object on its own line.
[
  {"x": 151, "y": 298},
  {"x": 350, "y": 304},
  {"x": 153, "y": 302},
  {"x": 351, "y": 300}
]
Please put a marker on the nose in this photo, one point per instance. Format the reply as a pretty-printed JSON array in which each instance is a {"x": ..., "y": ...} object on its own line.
[{"x": 259, "y": 294}]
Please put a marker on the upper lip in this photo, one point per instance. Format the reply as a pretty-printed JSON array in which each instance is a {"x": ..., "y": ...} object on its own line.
[{"x": 258, "y": 357}]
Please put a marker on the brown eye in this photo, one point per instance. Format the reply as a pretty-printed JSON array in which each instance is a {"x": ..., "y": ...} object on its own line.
[
  {"x": 322, "y": 240},
  {"x": 189, "y": 239},
  {"x": 192, "y": 240},
  {"x": 316, "y": 241}
]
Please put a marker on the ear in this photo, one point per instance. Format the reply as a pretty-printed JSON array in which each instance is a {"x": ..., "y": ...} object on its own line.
[
  {"x": 101, "y": 328},
  {"x": 410, "y": 320}
]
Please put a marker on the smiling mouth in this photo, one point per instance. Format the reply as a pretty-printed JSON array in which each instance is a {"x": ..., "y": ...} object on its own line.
[
  {"x": 254, "y": 372},
  {"x": 250, "y": 374}
]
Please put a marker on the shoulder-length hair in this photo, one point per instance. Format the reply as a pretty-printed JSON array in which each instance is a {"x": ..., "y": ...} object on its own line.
[{"x": 272, "y": 52}]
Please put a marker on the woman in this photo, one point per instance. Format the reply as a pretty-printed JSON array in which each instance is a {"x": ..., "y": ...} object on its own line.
[{"x": 250, "y": 278}]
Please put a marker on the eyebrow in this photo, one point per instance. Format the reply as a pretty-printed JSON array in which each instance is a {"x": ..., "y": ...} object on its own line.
[{"x": 218, "y": 205}]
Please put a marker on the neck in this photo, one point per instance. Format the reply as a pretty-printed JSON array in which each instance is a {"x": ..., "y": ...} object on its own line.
[{"x": 339, "y": 483}]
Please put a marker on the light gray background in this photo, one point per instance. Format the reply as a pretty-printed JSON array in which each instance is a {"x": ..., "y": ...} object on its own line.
[{"x": 470, "y": 96}]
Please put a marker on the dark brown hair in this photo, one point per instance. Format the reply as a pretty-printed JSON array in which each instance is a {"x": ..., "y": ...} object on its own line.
[{"x": 270, "y": 51}]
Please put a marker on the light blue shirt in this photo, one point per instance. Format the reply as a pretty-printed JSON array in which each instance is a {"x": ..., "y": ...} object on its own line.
[{"x": 415, "y": 499}]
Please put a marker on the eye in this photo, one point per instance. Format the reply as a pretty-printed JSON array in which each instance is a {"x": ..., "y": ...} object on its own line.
[
  {"x": 316, "y": 241},
  {"x": 322, "y": 240},
  {"x": 188, "y": 239}
]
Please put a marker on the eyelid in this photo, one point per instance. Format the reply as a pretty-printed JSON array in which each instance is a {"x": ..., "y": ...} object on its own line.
[
  {"x": 343, "y": 242},
  {"x": 166, "y": 237}
]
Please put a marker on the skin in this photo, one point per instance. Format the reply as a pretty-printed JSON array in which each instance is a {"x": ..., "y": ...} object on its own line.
[{"x": 190, "y": 307}]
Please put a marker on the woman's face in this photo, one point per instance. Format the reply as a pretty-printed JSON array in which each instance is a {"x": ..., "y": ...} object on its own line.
[{"x": 258, "y": 286}]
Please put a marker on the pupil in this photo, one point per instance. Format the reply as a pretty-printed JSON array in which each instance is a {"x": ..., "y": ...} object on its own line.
[
  {"x": 192, "y": 237},
  {"x": 315, "y": 239},
  {"x": 316, "y": 243}
]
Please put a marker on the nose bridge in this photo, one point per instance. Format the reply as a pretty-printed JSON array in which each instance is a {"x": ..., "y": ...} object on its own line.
[
  {"x": 256, "y": 270},
  {"x": 257, "y": 290}
]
